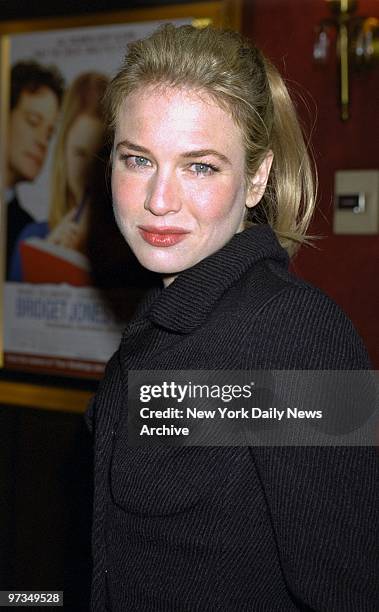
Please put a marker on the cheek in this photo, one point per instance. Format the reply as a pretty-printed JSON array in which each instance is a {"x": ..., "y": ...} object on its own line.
[
  {"x": 126, "y": 194},
  {"x": 85, "y": 167},
  {"x": 77, "y": 169},
  {"x": 71, "y": 170},
  {"x": 26, "y": 134},
  {"x": 76, "y": 178},
  {"x": 16, "y": 127},
  {"x": 218, "y": 202},
  {"x": 20, "y": 136},
  {"x": 117, "y": 189}
]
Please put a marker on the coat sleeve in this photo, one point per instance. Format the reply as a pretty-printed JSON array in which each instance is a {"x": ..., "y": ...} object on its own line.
[
  {"x": 322, "y": 501},
  {"x": 323, "y": 508},
  {"x": 109, "y": 375}
]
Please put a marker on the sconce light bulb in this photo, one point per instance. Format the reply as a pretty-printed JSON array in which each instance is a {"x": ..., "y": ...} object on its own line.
[{"x": 321, "y": 47}]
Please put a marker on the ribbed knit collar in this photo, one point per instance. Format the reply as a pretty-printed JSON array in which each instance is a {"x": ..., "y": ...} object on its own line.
[{"x": 185, "y": 304}]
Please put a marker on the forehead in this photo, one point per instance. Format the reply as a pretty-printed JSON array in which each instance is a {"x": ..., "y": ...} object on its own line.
[
  {"x": 182, "y": 113},
  {"x": 42, "y": 100},
  {"x": 84, "y": 123},
  {"x": 85, "y": 130}
]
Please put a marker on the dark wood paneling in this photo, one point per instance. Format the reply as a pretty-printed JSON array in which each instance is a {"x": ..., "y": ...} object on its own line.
[{"x": 46, "y": 497}]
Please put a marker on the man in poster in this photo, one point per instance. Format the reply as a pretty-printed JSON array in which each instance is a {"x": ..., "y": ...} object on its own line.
[{"x": 36, "y": 94}]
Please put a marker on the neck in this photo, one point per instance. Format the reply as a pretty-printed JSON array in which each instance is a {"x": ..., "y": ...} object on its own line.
[{"x": 167, "y": 280}]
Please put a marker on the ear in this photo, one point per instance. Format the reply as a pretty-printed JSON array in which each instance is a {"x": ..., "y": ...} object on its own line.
[{"x": 259, "y": 181}]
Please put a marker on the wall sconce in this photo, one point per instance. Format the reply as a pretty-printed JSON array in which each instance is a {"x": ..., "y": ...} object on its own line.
[{"x": 357, "y": 43}]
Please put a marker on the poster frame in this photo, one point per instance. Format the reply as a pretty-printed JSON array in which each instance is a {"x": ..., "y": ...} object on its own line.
[{"x": 42, "y": 389}]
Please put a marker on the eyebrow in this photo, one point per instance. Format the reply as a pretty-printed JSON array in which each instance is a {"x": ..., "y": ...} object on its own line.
[{"x": 188, "y": 154}]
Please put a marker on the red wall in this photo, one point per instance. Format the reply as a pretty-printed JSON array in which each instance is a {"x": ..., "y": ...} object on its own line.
[{"x": 345, "y": 267}]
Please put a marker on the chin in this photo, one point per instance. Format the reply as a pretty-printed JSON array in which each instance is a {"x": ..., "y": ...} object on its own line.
[
  {"x": 29, "y": 175},
  {"x": 160, "y": 267}
]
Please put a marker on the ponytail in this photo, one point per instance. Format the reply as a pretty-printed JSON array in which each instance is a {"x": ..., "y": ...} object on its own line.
[{"x": 291, "y": 191}]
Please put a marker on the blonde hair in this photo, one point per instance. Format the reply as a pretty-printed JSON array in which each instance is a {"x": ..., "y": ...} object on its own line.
[
  {"x": 241, "y": 80},
  {"x": 84, "y": 96}
]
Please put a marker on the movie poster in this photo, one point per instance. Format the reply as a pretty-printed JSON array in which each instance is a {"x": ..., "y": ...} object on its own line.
[{"x": 55, "y": 318}]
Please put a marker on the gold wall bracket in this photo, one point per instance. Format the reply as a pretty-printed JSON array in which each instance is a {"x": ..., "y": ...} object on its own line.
[{"x": 357, "y": 44}]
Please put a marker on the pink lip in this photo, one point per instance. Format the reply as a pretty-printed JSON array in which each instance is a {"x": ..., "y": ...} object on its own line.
[{"x": 162, "y": 236}]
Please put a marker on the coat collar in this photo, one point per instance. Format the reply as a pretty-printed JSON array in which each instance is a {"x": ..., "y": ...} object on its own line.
[{"x": 185, "y": 304}]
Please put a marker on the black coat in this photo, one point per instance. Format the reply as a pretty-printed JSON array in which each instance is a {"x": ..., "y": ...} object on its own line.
[{"x": 232, "y": 528}]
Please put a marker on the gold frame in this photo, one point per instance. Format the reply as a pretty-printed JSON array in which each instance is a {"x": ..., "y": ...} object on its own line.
[{"x": 220, "y": 13}]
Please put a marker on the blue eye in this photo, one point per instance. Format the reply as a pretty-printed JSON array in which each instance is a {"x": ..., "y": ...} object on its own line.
[
  {"x": 135, "y": 161},
  {"x": 140, "y": 161},
  {"x": 204, "y": 169}
]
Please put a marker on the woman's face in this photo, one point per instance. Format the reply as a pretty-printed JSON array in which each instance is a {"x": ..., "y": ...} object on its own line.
[
  {"x": 84, "y": 140},
  {"x": 178, "y": 178}
]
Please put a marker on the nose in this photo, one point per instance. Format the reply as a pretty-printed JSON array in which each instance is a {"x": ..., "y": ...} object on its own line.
[
  {"x": 42, "y": 139},
  {"x": 163, "y": 194}
]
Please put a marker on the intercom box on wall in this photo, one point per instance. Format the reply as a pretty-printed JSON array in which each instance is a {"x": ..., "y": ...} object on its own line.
[{"x": 356, "y": 208}]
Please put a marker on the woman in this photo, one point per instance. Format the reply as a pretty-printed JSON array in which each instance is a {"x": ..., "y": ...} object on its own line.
[
  {"x": 80, "y": 137},
  {"x": 212, "y": 189}
]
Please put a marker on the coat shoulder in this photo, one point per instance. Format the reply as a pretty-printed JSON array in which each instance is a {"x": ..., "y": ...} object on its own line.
[{"x": 296, "y": 323}]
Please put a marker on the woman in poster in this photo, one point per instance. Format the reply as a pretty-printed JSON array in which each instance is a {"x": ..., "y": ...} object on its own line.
[
  {"x": 212, "y": 189},
  {"x": 80, "y": 137}
]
